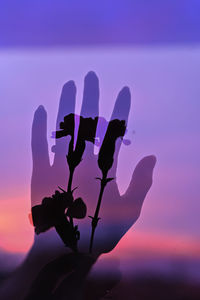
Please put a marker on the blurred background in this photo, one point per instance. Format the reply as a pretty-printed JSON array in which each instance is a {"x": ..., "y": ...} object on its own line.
[{"x": 154, "y": 48}]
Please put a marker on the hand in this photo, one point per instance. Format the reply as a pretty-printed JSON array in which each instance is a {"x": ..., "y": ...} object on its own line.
[{"x": 118, "y": 213}]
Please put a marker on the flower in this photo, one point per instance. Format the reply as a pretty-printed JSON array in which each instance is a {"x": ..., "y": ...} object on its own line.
[
  {"x": 116, "y": 129},
  {"x": 86, "y": 132},
  {"x": 87, "y": 128},
  {"x": 77, "y": 209},
  {"x": 52, "y": 211},
  {"x": 67, "y": 127}
]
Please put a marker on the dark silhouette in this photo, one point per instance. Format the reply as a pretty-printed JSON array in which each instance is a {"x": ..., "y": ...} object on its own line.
[
  {"x": 116, "y": 129},
  {"x": 72, "y": 268},
  {"x": 46, "y": 178},
  {"x": 51, "y": 213}
]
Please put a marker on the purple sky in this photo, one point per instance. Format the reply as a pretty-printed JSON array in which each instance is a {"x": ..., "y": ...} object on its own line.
[
  {"x": 164, "y": 116},
  {"x": 146, "y": 45},
  {"x": 58, "y": 23}
]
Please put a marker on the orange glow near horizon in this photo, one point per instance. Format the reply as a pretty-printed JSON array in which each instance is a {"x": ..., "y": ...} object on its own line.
[
  {"x": 149, "y": 243},
  {"x": 16, "y": 235}
]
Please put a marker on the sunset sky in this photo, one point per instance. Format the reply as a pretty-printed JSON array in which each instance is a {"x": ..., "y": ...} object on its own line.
[{"x": 162, "y": 73}]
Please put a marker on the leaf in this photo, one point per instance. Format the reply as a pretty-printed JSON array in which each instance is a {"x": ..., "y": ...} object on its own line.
[
  {"x": 78, "y": 209},
  {"x": 109, "y": 179},
  {"x": 94, "y": 221}
]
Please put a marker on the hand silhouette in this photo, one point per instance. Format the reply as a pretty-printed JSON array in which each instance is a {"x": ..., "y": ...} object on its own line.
[{"x": 118, "y": 213}]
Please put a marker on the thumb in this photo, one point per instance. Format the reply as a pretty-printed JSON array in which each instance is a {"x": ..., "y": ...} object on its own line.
[{"x": 140, "y": 184}]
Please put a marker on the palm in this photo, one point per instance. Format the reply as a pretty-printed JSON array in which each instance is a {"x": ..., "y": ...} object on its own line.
[{"x": 45, "y": 178}]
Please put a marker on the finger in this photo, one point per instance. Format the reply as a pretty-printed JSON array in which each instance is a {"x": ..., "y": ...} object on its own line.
[
  {"x": 67, "y": 102},
  {"x": 39, "y": 143},
  {"x": 66, "y": 106},
  {"x": 90, "y": 104},
  {"x": 139, "y": 186},
  {"x": 40, "y": 153},
  {"x": 121, "y": 112}
]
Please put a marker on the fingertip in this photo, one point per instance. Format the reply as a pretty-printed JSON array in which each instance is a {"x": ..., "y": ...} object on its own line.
[
  {"x": 90, "y": 104},
  {"x": 125, "y": 91},
  {"x": 91, "y": 75},
  {"x": 70, "y": 85},
  {"x": 145, "y": 167},
  {"x": 39, "y": 143},
  {"x": 39, "y": 119},
  {"x": 91, "y": 85},
  {"x": 153, "y": 160},
  {"x": 141, "y": 182},
  {"x": 67, "y": 101},
  {"x": 67, "y": 96},
  {"x": 40, "y": 110},
  {"x": 122, "y": 105},
  {"x": 41, "y": 107},
  {"x": 150, "y": 160}
]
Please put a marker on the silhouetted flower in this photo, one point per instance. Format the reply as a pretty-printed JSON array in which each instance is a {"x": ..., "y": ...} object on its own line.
[
  {"x": 116, "y": 129},
  {"x": 60, "y": 209},
  {"x": 86, "y": 132},
  {"x": 77, "y": 209},
  {"x": 87, "y": 129},
  {"x": 53, "y": 209},
  {"x": 67, "y": 126}
]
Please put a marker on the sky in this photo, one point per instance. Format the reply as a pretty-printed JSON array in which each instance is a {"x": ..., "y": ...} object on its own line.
[
  {"x": 68, "y": 22},
  {"x": 154, "y": 49}
]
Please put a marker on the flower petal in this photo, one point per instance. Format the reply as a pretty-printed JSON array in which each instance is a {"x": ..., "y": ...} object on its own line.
[
  {"x": 42, "y": 220},
  {"x": 78, "y": 209}
]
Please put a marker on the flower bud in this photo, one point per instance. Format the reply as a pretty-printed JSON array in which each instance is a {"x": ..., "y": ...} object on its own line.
[{"x": 116, "y": 128}]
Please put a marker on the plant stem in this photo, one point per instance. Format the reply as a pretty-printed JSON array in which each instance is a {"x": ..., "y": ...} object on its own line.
[
  {"x": 96, "y": 218},
  {"x": 65, "y": 232},
  {"x": 71, "y": 173},
  {"x": 69, "y": 189}
]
